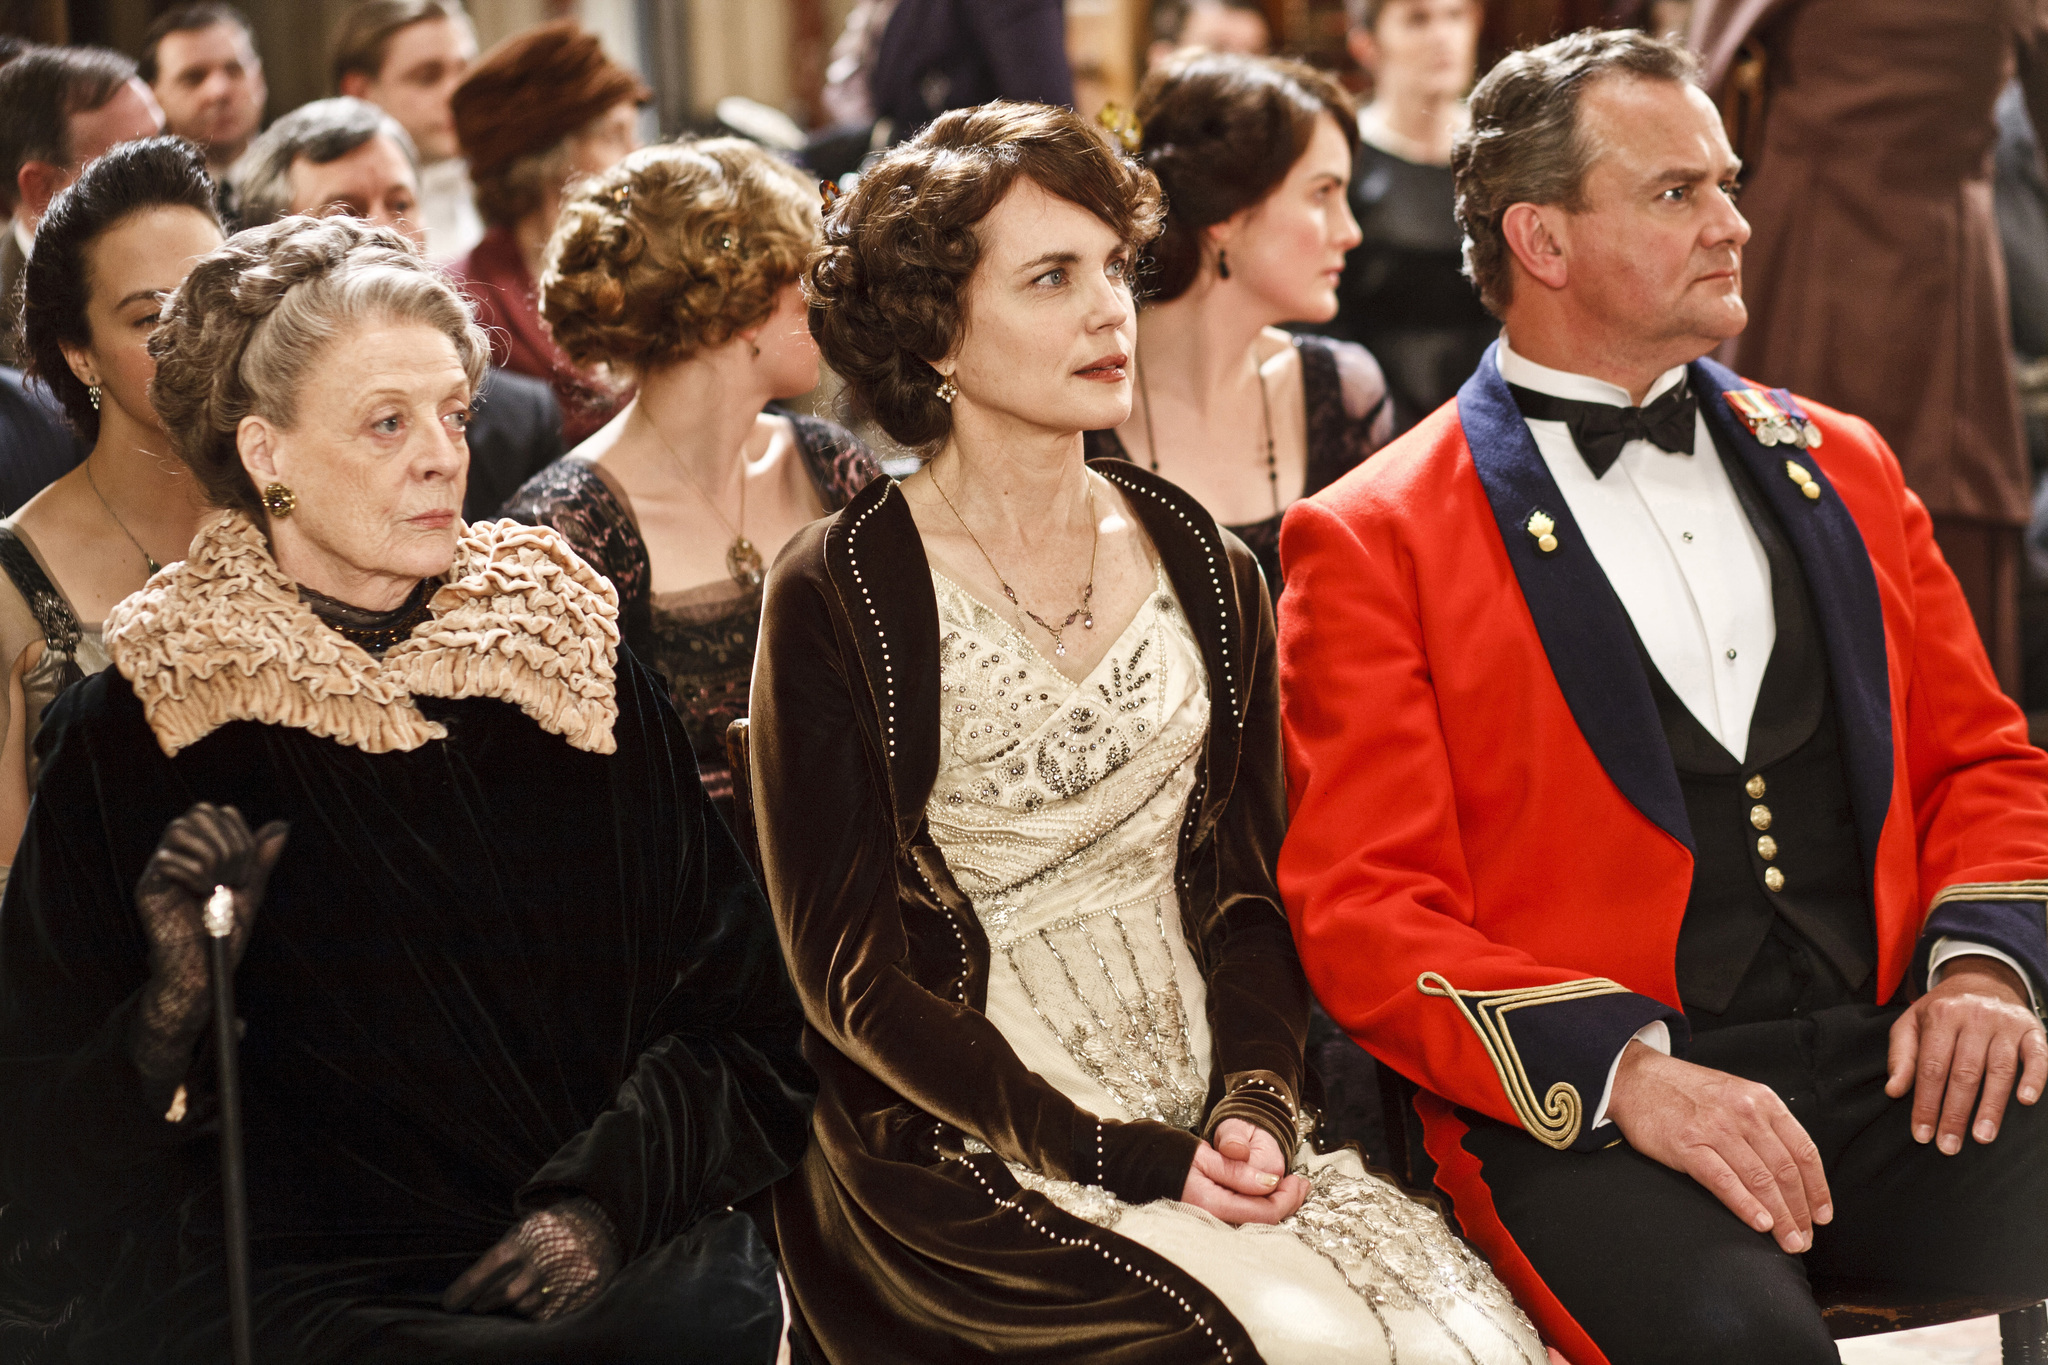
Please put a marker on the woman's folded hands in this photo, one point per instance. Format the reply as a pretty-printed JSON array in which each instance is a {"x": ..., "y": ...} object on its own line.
[
  {"x": 1243, "y": 1178},
  {"x": 552, "y": 1262}
]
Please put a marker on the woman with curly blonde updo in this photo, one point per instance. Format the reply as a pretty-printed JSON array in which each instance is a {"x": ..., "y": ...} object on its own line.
[
  {"x": 1018, "y": 782},
  {"x": 679, "y": 269},
  {"x": 518, "y": 1030}
]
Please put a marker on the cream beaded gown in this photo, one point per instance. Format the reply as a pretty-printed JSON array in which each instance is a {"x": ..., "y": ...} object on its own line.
[{"x": 1058, "y": 807}]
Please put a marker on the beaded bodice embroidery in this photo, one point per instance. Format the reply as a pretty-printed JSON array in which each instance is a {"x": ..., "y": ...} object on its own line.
[{"x": 1058, "y": 806}]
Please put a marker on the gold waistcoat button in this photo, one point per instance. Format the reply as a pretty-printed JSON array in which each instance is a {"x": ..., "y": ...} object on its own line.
[
  {"x": 1755, "y": 786},
  {"x": 1760, "y": 816},
  {"x": 1774, "y": 879},
  {"x": 1766, "y": 847}
]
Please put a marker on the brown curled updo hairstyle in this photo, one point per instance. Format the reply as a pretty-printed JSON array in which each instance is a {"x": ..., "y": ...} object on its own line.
[
  {"x": 888, "y": 288},
  {"x": 674, "y": 250},
  {"x": 1221, "y": 131},
  {"x": 243, "y": 333}
]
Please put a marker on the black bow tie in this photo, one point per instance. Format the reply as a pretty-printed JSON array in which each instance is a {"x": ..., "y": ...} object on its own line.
[{"x": 1601, "y": 429}]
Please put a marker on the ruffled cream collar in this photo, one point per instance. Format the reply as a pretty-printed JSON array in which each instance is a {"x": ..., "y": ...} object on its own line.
[{"x": 223, "y": 636}]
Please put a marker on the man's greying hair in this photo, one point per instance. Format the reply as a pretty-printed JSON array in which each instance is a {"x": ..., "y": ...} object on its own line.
[
  {"x": 323, "y": 131},
  {"x": 1363, "y": 13},
  {"x": 1170, "y": 17},
  {"x": 41, "y": 91},
  {"x": 1525, "y": 145},
  {"x": 188, "y": 19},
  {"x": 364, "y": 35}
]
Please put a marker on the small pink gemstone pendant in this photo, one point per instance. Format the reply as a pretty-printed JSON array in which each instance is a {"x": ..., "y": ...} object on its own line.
[{"x": 1088, "y": 621}]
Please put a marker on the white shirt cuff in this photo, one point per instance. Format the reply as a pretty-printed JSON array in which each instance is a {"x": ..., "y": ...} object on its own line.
[
  {"x": 1656, "y": 1034},
  {"x": 1946, "y": 948}
]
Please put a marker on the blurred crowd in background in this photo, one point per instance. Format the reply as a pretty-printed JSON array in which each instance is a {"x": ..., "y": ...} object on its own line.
[{"x": 1895, "y": 183}]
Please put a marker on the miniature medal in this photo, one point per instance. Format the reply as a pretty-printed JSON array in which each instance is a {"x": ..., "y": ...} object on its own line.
[
  {"x": 1756, "y": 414},
  {"x": 1796, "y": 415},
  {"x": 1774, "y": 418}
]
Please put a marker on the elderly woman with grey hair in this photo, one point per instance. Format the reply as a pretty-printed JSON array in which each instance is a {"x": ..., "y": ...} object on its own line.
[
  {"x": 348, "y": 157},
  {"x": 517, "y": 1029}
]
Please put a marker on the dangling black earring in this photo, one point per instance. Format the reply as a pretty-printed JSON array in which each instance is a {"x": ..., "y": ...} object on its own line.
[{"x": 1223, "y": 264}]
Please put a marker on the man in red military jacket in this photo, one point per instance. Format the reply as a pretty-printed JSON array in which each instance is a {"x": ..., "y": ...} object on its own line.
[{"x": 1655, "y": 809}]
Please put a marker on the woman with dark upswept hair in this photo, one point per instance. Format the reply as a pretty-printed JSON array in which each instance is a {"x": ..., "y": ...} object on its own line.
[
  {"x": 1253, "y": 154},
  {"x": 1018, "y": 784},
  {"x": 112, "y": 246}
]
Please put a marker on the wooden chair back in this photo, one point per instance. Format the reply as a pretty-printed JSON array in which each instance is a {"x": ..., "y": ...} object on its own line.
[{"x": 740, "y": 755}]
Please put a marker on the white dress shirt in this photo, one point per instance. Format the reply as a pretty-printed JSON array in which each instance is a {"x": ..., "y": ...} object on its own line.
[
  {"x": 1678, "y": 550},
  {"x": 447, "y": 210},
  {"x": 1675, "y": 544}
]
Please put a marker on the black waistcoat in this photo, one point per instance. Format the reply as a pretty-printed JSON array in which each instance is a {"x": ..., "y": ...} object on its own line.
[{"x": 1785, "y": 810}]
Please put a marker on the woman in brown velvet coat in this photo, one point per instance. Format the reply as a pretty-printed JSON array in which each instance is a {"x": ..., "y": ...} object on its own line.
[{"x": 1017, "y": 775}]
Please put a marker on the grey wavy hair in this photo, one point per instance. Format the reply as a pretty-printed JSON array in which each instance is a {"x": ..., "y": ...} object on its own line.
[
  {"x": 323, "y": 131},
  {"x": 245, "y": 331},
  {"x": 1525, "y": 146}
]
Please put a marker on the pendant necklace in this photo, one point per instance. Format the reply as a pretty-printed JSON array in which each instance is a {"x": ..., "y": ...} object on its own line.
[
  {"x": 1265, "y": 407},
  {"x": 1080, "y": 613},
  {"x": 91, "y": 482},
  {"x": 742, "y": 560}
]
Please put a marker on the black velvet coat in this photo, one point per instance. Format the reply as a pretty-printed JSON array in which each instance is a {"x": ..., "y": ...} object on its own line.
[
  {"x": 899, "y": 1245},
  {"x": 489, "y": 971}
]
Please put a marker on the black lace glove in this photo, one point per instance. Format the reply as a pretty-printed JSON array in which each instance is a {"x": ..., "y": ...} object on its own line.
[
  {"x": 207, "y": 846},
  {"x": 552, "y": 1262}
]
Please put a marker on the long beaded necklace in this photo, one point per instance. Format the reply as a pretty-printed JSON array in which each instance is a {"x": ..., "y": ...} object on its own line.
[
  {"x": 742, "y": 560},
  {"x": 1265, "y": 407},
  {"x": 1081, "y": 613},
  {"x": 115, "y": 517}
]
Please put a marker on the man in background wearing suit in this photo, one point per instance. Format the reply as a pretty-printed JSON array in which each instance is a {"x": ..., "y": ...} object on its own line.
[{"x": 59, "y": 108}]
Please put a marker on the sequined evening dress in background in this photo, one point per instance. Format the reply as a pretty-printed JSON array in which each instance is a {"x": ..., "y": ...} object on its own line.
[
  {"x": 1058, "y": 806},
  {"x": 701, "y": 638}
]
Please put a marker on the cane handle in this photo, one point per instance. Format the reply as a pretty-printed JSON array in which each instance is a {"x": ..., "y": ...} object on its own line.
[{"x": 220, "y": 912}]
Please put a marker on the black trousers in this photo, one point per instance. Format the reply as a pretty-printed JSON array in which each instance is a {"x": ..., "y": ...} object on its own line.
[{"x": 1655, "y": 1269}]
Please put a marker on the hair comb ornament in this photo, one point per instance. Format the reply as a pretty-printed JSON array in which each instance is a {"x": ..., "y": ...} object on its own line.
[
  {"x": 828, "y": 195},
  {"x": 1121, "y": 124},
  {"x": 620, "y": 195}
]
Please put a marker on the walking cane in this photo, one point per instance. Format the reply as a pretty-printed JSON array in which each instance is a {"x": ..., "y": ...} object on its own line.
[{"x": 220, "y": 924}]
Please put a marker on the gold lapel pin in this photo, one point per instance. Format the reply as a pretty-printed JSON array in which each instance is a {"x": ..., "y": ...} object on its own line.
[
  {"x": 1797, "y": 472},
  {"x": 1545, "y": 531}
]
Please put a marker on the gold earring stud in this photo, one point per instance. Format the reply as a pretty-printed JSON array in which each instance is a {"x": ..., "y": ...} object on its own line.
[
  {"x": 948, "y": 390},
  {"x": 279, "y": 500}
]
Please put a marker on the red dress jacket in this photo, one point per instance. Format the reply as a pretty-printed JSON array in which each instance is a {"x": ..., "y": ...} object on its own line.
[{"x": 1489, "y": 854}]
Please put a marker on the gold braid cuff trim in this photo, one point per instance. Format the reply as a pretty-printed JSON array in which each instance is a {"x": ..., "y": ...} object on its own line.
[
  {"x": 223, "y": 636},
  {"x": 1556, "y": 1119},
  {"x": 1990, "y": 891}
]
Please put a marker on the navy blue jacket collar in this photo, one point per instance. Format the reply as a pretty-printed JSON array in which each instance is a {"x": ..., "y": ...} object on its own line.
[{"x": 1586, "y": 632}]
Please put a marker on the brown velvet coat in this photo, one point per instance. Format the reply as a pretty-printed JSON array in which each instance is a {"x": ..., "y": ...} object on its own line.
[{"x": 899, "y": 1244}]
